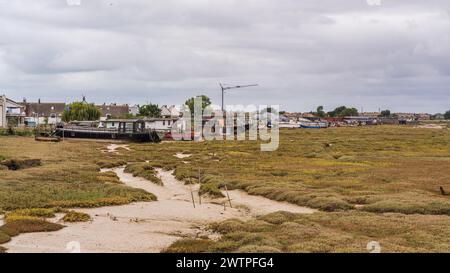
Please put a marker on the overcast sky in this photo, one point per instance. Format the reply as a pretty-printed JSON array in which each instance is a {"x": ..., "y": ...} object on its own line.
[{"x": 302, "y": 53}]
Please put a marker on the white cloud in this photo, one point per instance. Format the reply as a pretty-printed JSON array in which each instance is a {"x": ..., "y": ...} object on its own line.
[{"x": 302, "y": 53}]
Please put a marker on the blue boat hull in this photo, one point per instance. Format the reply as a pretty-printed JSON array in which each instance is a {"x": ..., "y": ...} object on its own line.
[{"x": 310, "y": 127}]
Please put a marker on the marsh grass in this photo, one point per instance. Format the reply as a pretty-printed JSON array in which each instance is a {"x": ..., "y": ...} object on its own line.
[
  {"x": 212, "y": 190},
  {"x": 144, "y": 170},
  {"x": 357, "y": 176},
  {"x": 109, "y": 164},
  {"x": 17, "y": 164},
  {"x": 326, "y": 232},
  {"x": 68, "y": 177},
  {"x": 75, "y": 217},
  {"x": 331, "y": 170},
  {"x": 27, "y": 220},
  {"x": 4, "y": 237},
  {"x": 109, "y": 177},
  {"x": 29, "y": 214},
  {"x": 188, "y": 245},
  {"x": 31, "y": 225}
]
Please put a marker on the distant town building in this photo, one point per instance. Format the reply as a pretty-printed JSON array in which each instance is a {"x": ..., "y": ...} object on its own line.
[
  {"x": 43, "y": 112},
  {"x": 412, "y": 116},
  {"x": 423, "y": 116},
  {"x": 438, "y": 116},
  {"x": 169, "y": 112},
  {"x": 292, "y": 117},
  {"x": 361, "y": 120},
  {"x": 11, "y": 113},
  {"x": 134, "y": 110},
  {"x": 370, "y": 114},
  {"x": 109, "y": 111}
]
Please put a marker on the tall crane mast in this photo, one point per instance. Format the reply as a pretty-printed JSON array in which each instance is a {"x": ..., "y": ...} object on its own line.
[{"x": 224, "y": 88}]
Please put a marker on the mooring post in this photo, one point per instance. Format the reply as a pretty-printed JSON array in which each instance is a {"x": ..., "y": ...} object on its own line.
[
  {"x": 200, "y": 183},
  {"x": 229, "y": 199},
  {"x": 192, "y": 195}
]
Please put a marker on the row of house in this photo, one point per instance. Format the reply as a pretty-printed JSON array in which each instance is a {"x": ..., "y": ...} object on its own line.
[
  {"x": 373, "y": 115},
  {"x": 32, "y": 114}
]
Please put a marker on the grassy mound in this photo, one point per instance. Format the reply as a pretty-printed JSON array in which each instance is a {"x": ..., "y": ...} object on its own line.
[
  {"x": 144, "y": 170},
  {"x": 328, "y": 204},
  {"x": 211, "y": 189},
  {"x": 189, "y": 246},
  {"x": 410, "y": 207},
  {"x": 34, "y": 212},
  {"x": 18, "y": 164},
  {"x": 31, "y": 225},
  {"x": 109, "y": 178},
  {"x": 74, "y": 217},
  {"x": 4, "y": 237}
]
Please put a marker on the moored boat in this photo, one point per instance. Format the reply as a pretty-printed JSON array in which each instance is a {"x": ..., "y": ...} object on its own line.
[
  {"x": 132, "y": 130},
  {"x": 313, "y": 125}
]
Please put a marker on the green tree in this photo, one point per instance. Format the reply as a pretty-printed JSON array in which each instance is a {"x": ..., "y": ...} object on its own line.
[
  {"x": 385, "y": 113},
  {"x": 343, "y": 111},
  {"x": 320, "y": 112},
  {"x": 447, "y": 115},
  {"x": 206, "y": 101},
  {"x": 150, "y": 110},
  {"x": 349, "y": 112},
  {"x": 81, "y": 111}
]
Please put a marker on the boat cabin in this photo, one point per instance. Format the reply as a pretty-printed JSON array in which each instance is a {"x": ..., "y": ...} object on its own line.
[{"x": 124, "y": 125}]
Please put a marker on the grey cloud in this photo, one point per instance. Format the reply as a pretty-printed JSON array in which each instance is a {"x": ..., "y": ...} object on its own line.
[{"x": 302, "y": 53}]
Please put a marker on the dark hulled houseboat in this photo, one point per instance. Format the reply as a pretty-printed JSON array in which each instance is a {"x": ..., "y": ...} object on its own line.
[{"x": 116, "y": 129}]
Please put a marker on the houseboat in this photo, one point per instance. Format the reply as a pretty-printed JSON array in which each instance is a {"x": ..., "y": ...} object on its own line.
[{"x": 116, "y": 129}]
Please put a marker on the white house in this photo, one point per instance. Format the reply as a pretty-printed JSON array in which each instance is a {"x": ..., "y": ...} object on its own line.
[
  {"x": 170, "y": 112},
  {"x": 134, "y": 110},
  {"x": 11, "y": 112}
]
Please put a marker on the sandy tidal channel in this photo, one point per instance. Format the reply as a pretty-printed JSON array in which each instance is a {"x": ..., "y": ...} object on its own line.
[{"x": 151, "y": 226}]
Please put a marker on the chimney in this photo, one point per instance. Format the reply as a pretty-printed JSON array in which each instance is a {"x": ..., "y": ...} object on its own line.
[
  {"x": 39, "y": 100},
  {"x": 24, "y": 100}
]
